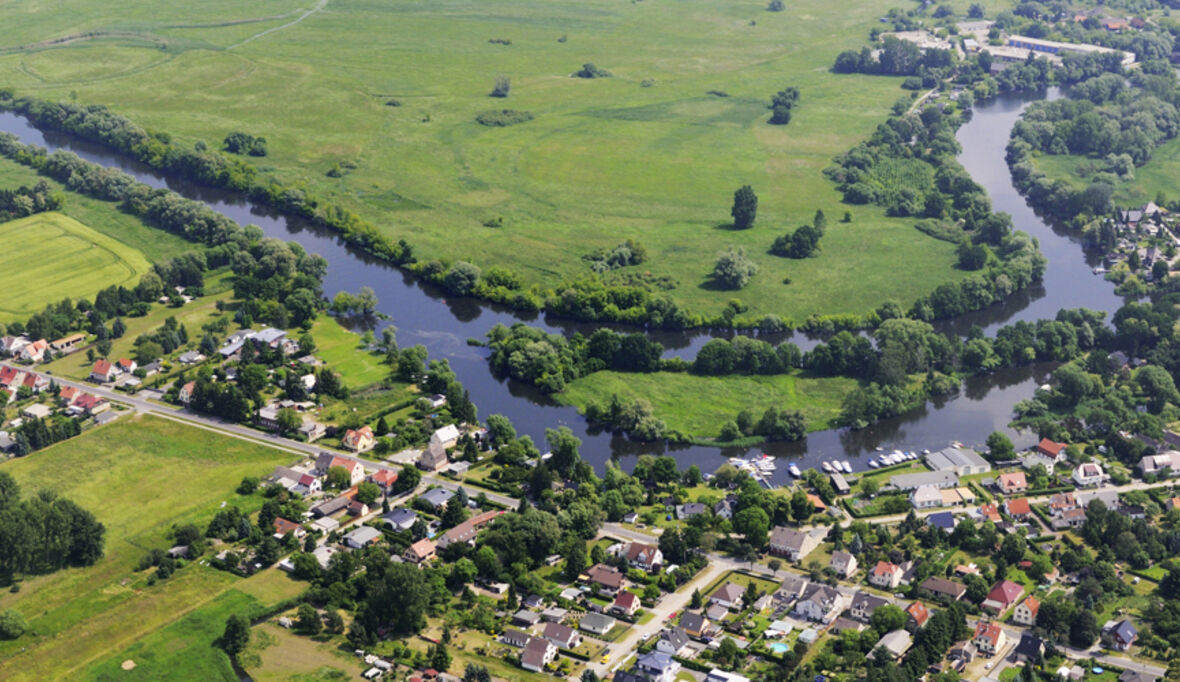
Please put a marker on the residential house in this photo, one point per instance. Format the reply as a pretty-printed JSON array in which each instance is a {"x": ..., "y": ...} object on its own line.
[
  {"x": 1002, "y": 595},
  {"x": 626, "y": 603},
  {"x": 362, "y": 537},
  {"x": 725, "y": 508},
  {"x": 185, "y": 395},
  {"x": 644, "y": 557},
  {"x": 673, "y": 642},
  {"x": 90, "y": 404},
  {"x": 1119, "y": 635},
  {"x": 356, "y": 472},
  {"x": 1018, "y": 508},
  {"x": 526, "y": 618},
  {"x": 359, "y": 440},
  {"x": 467, "y": 530},
  {"x": 792, "y": 588},
  {"x": 11, "y": 377},
  {"x": 311, "y": 430},
  {"x": 792, "y": 544},
  {"x": 437, "y": 497},
  {"x": 864, "y": 605},
  {"x": 728, "y": 595},
  {"x": 843, "y": 563},
  {"x": 433, "y": 458},
  {"x": 689, "y": 510},
  {"x": 938, "y": 479},
  {"x": 988, "y": 638},
  {"x": 103, "y": 371},
  {"x": 885, "y": 575},
  {"x": 283, "y": 526},
  {"x": 420, "y": 551},
  {"x": 1026, "y": 611},
  {"x": 819, "y": 603},
  {"x": 384, "y": 478},
  {"x": 942, "y": 589},
  {"x": 716, "y": 675},
  {"x": 925, "y": 497},
  {"x": 895, "y": 644},
  {"x": 944, "y": 521},
  {"x": 308, "y": 485},
  {"x": 563, "y": 636},
  {"x": 1073, "y": 518},
  {"x": 126, "y": 365},
  {"x": 916, "y": 615},
  {"x": 514, "y": 637},
  {"x": 1089, "y": 474},
  {"x": 447, "y": 436},
  {"x": 1012, "y": 483},
  {"x": 268, "y": 417},
  {"x": 538, "y": 652},
  {"x": 1029, "y": 648},
  {"x": 1165, "y": 464},
  {"x": 554, "y": 614},
  {"x": 607, "y": 579},
  {"x": 1053, "y": 450},
  {"x": 1061, "y": 503},
  {"x": 990, "y": 512},
  {"x": 12, "y": 345},
  {"x": 35, "y": 351},
  {"x": 357, "y": 508},
  {"x": 400, "y": 519},
  {"x": 657, "y": 667},
  {"x": 332, "y": 506},
  {"x": 597, "y": 623},
  {"x": 1129, "y": 675},
  {"x": 960, "y": 461},
  {"x": 695, "y": 624}
]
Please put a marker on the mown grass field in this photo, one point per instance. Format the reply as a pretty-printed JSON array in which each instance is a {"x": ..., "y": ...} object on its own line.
[
  {"x": 101, "y": 216},
  {"x": 605, "y": 160},
  {"x": 340, "y": 349},
  {"x": 50, "y": 256},
  {"x": 139, "y": 476},
  {"x": 698, "y": 405}
]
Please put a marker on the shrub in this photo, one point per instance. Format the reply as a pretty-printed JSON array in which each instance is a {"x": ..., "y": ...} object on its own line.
[
  {"x": 502, "y": 86},
  {"x": 775, "y": 6},
  {"x": 590, "y": 71},
  {"x": 733, "y": 269},
  {"x": 502, "y": 118}
]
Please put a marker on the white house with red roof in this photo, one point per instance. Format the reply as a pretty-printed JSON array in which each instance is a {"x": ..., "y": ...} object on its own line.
[
  {"x": 885, "y": 575},
  {"x": 103, "y": 371},
  {"x": 625, "y": 602},
  {"x": 1026, "y": 611},
  {"x": 185, "y": 394},
  {"x": 359, "y": 440},
  {"x": 35, "y": 351},
  {"x": 11, "y": 377},
  {"x": 646, "y": 557},
  {"x": 127, "y": 365},
  {"x": 356, "y": 472},
  {"x": 385, "y": 478},
  {"x": 1002, "y": 595},
  {"x": 989, "y": 638},
  {"x": 91, "y": 404}
]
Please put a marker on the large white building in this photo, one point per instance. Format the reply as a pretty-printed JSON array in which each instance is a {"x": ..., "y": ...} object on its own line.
[{"x": 962, "y": 461}]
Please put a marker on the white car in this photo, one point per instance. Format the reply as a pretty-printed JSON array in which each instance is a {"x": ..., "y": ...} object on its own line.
[{"x": 646, "y": 636}]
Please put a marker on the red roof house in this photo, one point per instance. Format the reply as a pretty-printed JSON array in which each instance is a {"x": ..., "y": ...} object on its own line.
[{"x": 1002, "y": 595}]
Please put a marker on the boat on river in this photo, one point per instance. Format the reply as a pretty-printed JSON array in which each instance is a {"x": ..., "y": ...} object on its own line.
[
  {"x": 794, "y": 470},
  {"x": 827, "y": 466},
  {"x": 846, "y": 467}
]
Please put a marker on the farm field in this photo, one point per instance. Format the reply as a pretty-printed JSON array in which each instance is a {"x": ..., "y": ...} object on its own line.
[
  {"x": 51, "y": 256},
  {"x": 653, "y": 153},
  {"x": 698, "y": 405},
  {"x": 80, "y": 617},
  {"x": 101, "y": 216}
]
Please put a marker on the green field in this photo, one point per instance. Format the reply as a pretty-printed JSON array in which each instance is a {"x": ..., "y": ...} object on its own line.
[
  {"x": 648, "y": 154},
  {"x": 341, "y": 350},
  {"x": 50, "y": 256},
  {"x": 1156, "y": 176},
  {"x": 139, "y": 476},
  {"x": 101, "y": 216},
  {"x": 698, "y": 405}
]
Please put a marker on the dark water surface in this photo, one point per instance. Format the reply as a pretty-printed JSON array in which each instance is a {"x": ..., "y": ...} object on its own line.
[{"x": 424, "y": 315}]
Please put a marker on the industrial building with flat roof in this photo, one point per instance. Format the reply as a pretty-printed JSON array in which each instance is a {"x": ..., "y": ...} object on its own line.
[
  {"x": 1055, "y": 47},
  {"x": 962, "y": 461}
]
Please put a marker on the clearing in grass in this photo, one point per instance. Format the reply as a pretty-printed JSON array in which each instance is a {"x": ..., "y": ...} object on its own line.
[
  {"x": 51, "y": 256},
  {"x": 698, "y": 405},
  {"x": 139, "y": 477},
  {"x": 372, "y": 106}
]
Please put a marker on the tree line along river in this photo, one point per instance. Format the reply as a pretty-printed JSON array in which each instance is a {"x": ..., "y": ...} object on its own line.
[{"x": 423, "y": 314}]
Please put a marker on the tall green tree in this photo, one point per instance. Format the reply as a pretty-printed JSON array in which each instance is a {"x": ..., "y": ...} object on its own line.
[{"x": 745, "y": 207}]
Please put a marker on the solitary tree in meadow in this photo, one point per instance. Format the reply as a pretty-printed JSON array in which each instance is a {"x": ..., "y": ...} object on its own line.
[
  {"x": 502, "y": 86},
  {"x": 745, "y": 207}
]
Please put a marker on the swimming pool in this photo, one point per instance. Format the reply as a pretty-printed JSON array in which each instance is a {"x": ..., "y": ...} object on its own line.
[{"x": 779, "y": 648}]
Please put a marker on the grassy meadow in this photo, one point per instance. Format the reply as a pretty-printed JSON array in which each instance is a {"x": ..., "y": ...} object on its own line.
[
  {"x": 51, "y": 256},
  {"x": 649, "y": 154},
  {"x": 1156, "y": 176},
  {"x": 139, "y": 477},
  {"x": 699, "y": 405}
]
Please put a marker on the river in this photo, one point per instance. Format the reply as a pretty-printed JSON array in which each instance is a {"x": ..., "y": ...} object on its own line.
[{"x": 423, "y": 314}]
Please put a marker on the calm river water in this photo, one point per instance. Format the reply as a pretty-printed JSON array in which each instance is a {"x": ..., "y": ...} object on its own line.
[{"x": 424, "y": 315}]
